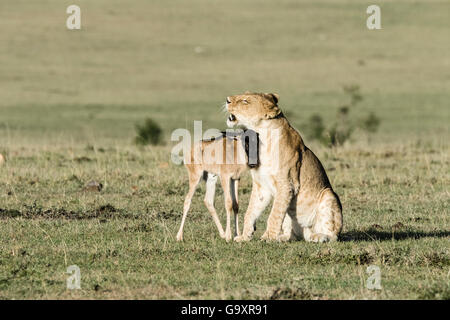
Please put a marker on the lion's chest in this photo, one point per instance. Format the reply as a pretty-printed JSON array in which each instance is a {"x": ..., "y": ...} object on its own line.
[{"x": 265, "y": 179}]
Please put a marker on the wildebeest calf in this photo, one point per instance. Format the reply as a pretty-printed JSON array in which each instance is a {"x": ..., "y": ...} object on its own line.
[{"x": 225, "y": 157}]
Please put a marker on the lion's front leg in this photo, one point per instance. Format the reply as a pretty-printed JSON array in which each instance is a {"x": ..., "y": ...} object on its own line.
[
  {"x": 280, "y": 206},
  {"x": 259, "y": 199}
]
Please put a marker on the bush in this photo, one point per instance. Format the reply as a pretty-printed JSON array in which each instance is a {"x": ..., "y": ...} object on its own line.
[
  {"x": 341, "y": 130},
  {"x": 371, "y": 123},
  {"x": 148, "y": 133}
]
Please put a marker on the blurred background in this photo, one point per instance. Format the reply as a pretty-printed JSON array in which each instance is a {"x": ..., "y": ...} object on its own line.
[
  {"x": 86, "y": 118},
  {"x": 176, "y": 61}
]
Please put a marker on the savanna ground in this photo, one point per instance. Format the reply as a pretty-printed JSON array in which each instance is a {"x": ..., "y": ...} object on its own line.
[{"x": 69, "y": 101}]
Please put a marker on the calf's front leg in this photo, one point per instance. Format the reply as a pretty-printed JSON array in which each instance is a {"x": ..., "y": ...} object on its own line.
[{"x": 226, "y": 185}]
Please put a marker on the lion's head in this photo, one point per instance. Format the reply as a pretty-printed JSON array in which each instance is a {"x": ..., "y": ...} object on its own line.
[{"x": 249, "y": 109}]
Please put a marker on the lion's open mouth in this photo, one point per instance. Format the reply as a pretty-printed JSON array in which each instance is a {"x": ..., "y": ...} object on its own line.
[{"x": 231, "y": 117}]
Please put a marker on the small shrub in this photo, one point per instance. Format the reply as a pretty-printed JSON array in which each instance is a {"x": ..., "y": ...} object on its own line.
[
  {"x": 337, "y": 135},
  {"x": 370, "y": 123},
  {"x": 315, "y": 127},
  {"x": 341, "y": 130},
  {"x": 148, "y": 133},
  {"x": 353, "y": 92}
]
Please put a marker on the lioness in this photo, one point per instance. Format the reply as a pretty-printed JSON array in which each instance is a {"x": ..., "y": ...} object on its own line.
[{"x": 297, "y": 183}]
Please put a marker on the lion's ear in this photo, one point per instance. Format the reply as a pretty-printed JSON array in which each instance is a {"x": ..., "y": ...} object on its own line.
[
  {"x": 274, "y": 96},
  {"x": 272, "y": 113}
]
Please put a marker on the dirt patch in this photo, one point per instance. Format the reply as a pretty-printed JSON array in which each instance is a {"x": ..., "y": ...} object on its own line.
[
  {"x": 139, "y": 228},
  {"x": 291, "y": 294},
  {"x": 93, "y": 186},
  {"x": 327, "y": 256},
  {"x": 171, "y": 215},
  {"x": 436, "y": 259},
  {"x": 418, "y": 219},
  {"x": 398, "y": 226},
  {"x": 9, "y": 213},
  {"x": 83, "y": 159},
  {"x": 362, "y": 258},
  {"x": 107, "y": 211}
]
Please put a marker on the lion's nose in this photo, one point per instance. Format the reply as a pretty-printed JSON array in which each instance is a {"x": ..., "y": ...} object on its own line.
[{"x": 228, "y": 100}]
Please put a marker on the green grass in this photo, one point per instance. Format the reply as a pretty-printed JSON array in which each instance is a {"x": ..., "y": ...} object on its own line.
[{"x": 70, "y": 101}]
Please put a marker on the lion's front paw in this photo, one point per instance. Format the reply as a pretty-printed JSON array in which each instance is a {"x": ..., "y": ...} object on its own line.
[
  {"x": 228, "y": 236},
  {"x": 265, "y": 236},
  {"x": 285, "y": 238},
  {"x": 241, "y": 238},
  {"x": 269, "y": 236}
]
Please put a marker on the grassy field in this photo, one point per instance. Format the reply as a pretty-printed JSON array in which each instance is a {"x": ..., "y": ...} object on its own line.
[{"x": 69, "y": 101}]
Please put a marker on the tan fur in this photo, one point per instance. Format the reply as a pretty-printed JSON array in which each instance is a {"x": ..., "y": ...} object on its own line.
[
  {"x": 228, "y": 166},
  {"x": 304, "y": 203}
]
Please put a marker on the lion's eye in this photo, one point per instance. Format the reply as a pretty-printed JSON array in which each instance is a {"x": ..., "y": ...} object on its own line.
[{"x": 245, "y": 101}]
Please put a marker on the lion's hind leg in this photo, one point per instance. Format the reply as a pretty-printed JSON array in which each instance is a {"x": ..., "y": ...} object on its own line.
[
  {"x": 291, "y": 229},
  {"x": 328, "y": 220}
]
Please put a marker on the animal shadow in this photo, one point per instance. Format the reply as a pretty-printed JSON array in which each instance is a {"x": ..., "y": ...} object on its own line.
[{"x": 377, "y": 235}]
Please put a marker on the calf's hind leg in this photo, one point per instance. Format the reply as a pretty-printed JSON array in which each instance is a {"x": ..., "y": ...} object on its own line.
[
  {"x": 234, "y": 197},
  {"x": 226, "y": 185},
  {"x": 194, "y": 179},
  {"x": 209, "y": 201}
]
